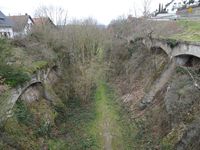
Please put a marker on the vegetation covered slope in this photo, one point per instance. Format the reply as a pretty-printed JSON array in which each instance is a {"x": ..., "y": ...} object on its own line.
[
  {"x": 105, "y": 75},
  {"x": 191, "y": 31},
  {"x": 170, "y": 121}
]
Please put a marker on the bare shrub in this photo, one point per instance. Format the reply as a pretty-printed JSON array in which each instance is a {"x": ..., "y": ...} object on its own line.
[{"x": 57, "y": 14}]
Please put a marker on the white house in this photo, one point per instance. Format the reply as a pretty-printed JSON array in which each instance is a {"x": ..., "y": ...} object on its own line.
[
  {"x": 173, "y": 6},
  {"x": 6, "y": 25},
  {"x": 191, "y": 2},
  {"x": 22, "y": 24},
  {"x": 168, "y": 12}
]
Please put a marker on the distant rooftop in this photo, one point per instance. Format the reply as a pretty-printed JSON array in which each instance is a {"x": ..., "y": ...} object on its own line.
[
  {"x": 5, "y": 21},
  {"x": 19, "y": 22},
  {"x": 43, "y": 21}
]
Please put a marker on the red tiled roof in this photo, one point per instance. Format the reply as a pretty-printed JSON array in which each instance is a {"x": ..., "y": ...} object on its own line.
[{"x": 43, "y": 21}]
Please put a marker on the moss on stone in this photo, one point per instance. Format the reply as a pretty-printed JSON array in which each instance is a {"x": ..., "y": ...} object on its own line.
[{"x": 37, "y": 65}]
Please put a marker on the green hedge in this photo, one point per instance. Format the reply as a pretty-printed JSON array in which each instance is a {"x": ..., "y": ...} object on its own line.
[{"x": 13, "y": 76}]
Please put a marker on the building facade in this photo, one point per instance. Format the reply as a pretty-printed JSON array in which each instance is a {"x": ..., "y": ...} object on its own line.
[
  {"x": 22, "y": 24},
  {"x": 6, "y": 26}
]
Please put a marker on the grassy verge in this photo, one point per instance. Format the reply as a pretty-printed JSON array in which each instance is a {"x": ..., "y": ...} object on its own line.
[
  {"x": 13, "y": 76},
  {"x": 100, "y": 124},
  {"x": 191, "y": 31},
  {"x": 73, "y": 122},
  {"x": 111, "y": 127}
]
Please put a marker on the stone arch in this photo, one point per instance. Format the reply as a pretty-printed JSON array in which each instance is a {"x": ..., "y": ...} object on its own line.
[
  {"x": 158, "y": 50},
  {"x": 188, "y": 60},
  {"x": 52, "y": 74},
  {"x": 162, "y": 45},
  {"x": 187, "y": 49},
  {"x": 185, "y": 53},
  {"x": 25, "y": 88},
  {"x": 182, "y": 48}
]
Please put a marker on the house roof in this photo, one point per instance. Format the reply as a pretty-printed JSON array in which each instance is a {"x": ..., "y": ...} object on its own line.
[
  {"x": 43, "y": 21},
  {"x": 19, "y": 22},
  {"x": 5, "y": 21}
]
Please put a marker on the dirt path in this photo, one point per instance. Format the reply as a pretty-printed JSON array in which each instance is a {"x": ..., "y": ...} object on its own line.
[
  {"x": 108, "y": 128},
  {"x": 107, "y": 135}
]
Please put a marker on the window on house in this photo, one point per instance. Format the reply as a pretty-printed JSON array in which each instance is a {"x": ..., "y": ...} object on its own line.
[{"x": 5, "y": 34}]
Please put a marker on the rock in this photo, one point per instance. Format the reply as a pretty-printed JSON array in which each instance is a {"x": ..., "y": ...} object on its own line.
[{"x": 142, "y": 105}]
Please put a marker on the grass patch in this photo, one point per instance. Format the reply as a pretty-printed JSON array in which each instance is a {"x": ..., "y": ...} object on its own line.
[
  {"x": 85, "y": 126},
  {"x": 77, "y": 126},
  {"x": 111, "y": 120},
  {"x": 191, "y": 31},
  {"x": 13, "y": 76},
  {"x": 173, "y": 137},
  {"x": 23, "y": 114},
  {"x": 55, "y": 144},
  {"x": 37, "y": 65},
  {"x": 73, "y": 122},
  {"x": 5, "y": 50}
]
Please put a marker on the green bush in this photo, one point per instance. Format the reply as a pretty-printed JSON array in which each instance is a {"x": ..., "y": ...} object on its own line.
[
  {"x": 44, "y": 129},
  {"x": 13, "y": 76},
  {"x": 23, "y": 114},
  {"x": 172, "y": 43},
  {"x": 55, "y": 144},
  {"x": 5, "y": 50}
]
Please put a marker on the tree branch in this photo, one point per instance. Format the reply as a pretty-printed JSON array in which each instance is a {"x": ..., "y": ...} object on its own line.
[{"x": 194, "y": 81}]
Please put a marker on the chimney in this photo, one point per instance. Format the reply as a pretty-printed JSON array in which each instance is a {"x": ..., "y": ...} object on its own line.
[{"x": 159, "y": 9}]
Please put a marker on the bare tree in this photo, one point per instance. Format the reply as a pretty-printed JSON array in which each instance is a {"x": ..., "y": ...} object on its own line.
[
  {"x": 194, "y": 77},
  {"x": 57, "y": 14},
  {"x": 146, "y": 7}
]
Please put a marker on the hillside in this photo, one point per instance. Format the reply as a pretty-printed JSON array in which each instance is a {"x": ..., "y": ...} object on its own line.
[{"x": 85, "y": 87}]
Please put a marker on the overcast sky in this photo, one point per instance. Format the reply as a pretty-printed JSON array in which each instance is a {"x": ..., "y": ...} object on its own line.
[{"x": 102, "y": 10}]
